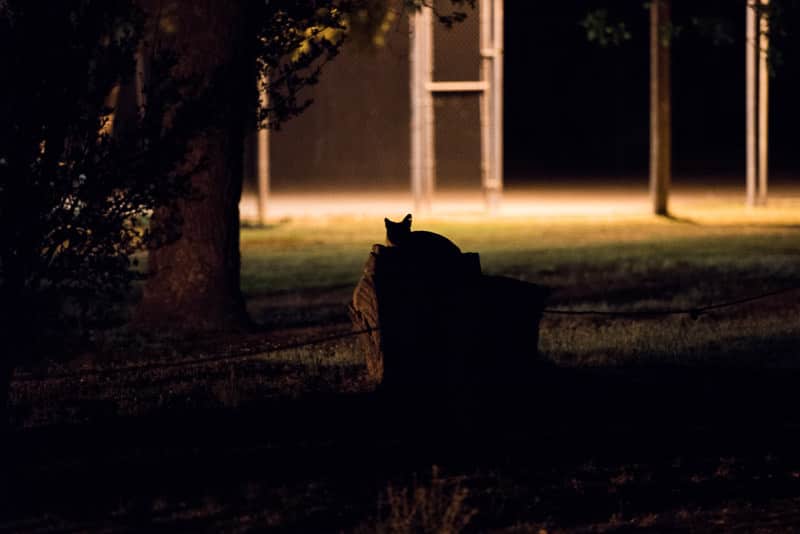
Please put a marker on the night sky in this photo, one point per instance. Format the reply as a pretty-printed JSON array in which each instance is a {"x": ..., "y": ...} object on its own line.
[{"x": 575, "y": 107}]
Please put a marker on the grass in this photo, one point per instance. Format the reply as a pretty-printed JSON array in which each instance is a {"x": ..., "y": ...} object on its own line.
[
  {"x": 298, "y": 277},
  {"x": 711, "y": 253},
  {"x": 269, "y": 440},
  {"x": 321, "y": 252},
  {"x": 438, "y": 507}
]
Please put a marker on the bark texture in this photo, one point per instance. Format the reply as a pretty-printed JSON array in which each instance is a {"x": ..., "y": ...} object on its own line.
[{"x": 194, "y": 281}]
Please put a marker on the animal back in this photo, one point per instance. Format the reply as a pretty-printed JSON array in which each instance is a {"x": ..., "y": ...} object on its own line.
[{"x": 430, "y": 243}]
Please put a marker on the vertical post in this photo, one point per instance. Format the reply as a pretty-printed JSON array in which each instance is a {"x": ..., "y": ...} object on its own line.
[
  {"x": 422, "y": 140},
  {"x": 660, "y": 123},
  {"x": 487, "y": 56},
  {"x": 429, "y": 175},
  {"x": 415, "y": 96},
  {"x": 491, "y": 42},
  {"x": 763, "y": 105},
  {"x": 262, "y": 158},
  {"x": 496, "y": 185},
  {"x": 491, "y": 39},
  {"x": 757, "y": 93},
  {"x": 751, "y": 47}
]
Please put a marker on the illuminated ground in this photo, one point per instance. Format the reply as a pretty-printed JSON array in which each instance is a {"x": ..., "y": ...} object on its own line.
[
  {"x": 713, "y": 250},
  {"x": 559, "y": 198}
]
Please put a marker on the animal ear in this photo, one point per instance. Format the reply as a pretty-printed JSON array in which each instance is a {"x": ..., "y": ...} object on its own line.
[
  {"x": 387, "y": 222},
  {"x": 407, "y": 220}
]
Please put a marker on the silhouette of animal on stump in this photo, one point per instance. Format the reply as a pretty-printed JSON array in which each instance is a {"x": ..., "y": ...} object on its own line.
[
  {"x": 421, "y": 243},
  {"x": 436, "y": 322}
]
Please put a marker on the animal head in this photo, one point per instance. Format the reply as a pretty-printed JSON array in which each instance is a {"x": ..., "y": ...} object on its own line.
[{"x": 396, "y": 232}]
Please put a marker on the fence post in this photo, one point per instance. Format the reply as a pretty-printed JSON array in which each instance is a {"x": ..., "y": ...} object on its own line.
[{"x": 422, "y": 141}]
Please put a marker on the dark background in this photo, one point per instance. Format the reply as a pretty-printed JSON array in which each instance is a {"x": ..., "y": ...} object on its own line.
[{"x": 575, "y": 107}]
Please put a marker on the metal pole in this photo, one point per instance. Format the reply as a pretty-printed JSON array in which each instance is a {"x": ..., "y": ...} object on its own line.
[
  {"x": 757, "y": 80},
  {"x": 490, "y": 87},
  {"x": 496, "y": 185},
  {"x": 416, "y": 115},
  {"x": 422, "y": 141},
  {"x": 763, "y": 105},
  {"x": 262, "y": 158},
  {"x": 429, "y": 142},
  {"x": 751, "y": 49},
  {"x": 487, "y": 56},
  {"x": 660, "y": 126}
]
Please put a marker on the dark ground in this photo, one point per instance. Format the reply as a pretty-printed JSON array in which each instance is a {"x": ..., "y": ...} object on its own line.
[
  {"x": 608, "y": 438},
  {"x": 652, "y": 449}
]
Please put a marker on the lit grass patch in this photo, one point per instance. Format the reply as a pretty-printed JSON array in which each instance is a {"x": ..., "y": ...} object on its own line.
[
  {"x": 313, "y": 253},
  {"x": 625, "y": 263}
]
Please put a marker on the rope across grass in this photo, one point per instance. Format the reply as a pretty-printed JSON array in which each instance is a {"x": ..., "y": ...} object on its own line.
[{"x": 693, "y": 312}]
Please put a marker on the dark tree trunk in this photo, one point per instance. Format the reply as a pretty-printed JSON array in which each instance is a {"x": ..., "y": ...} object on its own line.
[
  {"x": 194, "y": 281},
  {"x": 16, "y": 339},
  {"x": 6, "y": 371}
]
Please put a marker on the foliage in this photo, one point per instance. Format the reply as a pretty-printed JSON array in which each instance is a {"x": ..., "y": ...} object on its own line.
[
  {"x": 608, "y": 27},
  {"x": 297, "y": 39},
  {"x": 601, "y": 30},
  {"x": 73, "y": 197},
  {"x": 444, "y": 17}
]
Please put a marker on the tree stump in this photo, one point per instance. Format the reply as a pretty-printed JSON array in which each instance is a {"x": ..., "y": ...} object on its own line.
[{"x": 433, "y": 326}]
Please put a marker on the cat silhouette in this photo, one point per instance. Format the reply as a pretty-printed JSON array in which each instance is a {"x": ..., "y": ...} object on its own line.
[{"x": 419, "y": 243}]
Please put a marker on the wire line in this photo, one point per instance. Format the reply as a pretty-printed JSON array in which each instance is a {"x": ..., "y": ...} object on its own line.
[{"x": 692, "y": 312}]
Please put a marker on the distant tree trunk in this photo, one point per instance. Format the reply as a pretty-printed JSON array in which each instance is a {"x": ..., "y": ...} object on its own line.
[
  {"x": 194, "y": 281},
  {"x": 757, "y": 96},
  {"x": 660, "y": 104}
]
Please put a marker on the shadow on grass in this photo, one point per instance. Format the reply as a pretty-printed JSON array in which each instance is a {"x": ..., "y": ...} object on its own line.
[
  {"x": 691, "y": 222},
  {"x": 580, "y": 443},
  {"x": 249, "y": 225},
  {"x": 676, "y": 219}
]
